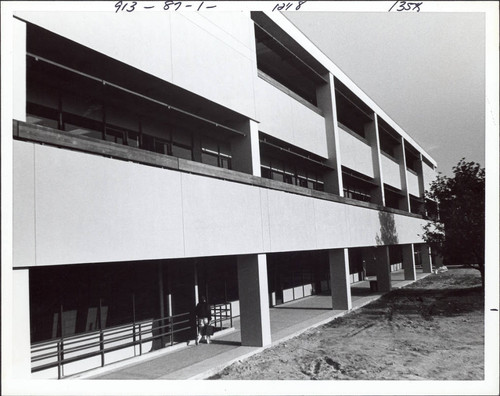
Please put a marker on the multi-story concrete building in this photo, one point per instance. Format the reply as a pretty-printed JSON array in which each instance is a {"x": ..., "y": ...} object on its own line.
[{"x": 163, "y": 158}]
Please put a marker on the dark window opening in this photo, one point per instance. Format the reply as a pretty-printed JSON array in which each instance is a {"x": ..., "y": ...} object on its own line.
[
  {"x": 351, "y": 111},
  {"x": 395, "y": 254},
  {"x": 284, "y": 66},
  {"x": 215, "y": 152},
  {"x": 392, "y": 199},
  {"x": 412, "y": 160},
  {"x": 356, "y": 185},
  {"x": 417, "y": 205},
  {"x": 289, "y": 164},
  {"x": 64, "y": 100},
  {"x": 84, "y": 93}
]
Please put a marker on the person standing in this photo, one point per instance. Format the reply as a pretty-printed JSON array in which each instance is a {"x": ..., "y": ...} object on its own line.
[{"x": 203, "y": 316}]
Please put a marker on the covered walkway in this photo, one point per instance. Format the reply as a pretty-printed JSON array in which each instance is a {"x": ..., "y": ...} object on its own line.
[{"x": 199, "y": 362}]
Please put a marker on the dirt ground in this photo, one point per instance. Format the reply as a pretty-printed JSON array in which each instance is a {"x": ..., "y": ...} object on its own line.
[{"x": 430, "y": 330}]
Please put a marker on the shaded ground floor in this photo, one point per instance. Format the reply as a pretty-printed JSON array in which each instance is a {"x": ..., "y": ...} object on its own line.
[
  {"x": 287, "y": 321},
  {"x": 84, "y": 316}
]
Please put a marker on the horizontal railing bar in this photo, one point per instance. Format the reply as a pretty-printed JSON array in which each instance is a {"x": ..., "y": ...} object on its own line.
[{"x": 104, "y": 82}]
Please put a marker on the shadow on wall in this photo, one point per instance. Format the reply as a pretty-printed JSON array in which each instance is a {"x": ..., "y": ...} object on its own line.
[{"x": 388, "y": 233}]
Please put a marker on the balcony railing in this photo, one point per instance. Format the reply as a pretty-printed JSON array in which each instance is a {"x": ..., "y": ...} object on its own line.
[
  {"x": 68, "y": 349},
  {"x": 54, "y": 137}
]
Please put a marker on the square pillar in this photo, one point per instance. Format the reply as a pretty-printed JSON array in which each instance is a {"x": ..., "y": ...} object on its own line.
[
  {"x": 426, "y": 258},
  {"x": 404, "y": 202},
  {"x": 371, "y": 134},
  {"x": 21, "y": 334},
  {"x": 326, "y": 102},
  {"x": 245, "y": 150},
  {"x": 383, "y": 268},
  {"x": 340, "y": 284},
  {"x": 254, "y": 300},
  {"x": 409, "y": 262},
  {"x": 19, "y": 71}
]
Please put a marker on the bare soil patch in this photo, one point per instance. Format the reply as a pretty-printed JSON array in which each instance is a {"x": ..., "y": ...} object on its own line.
[{"x": 430, "y": 330}]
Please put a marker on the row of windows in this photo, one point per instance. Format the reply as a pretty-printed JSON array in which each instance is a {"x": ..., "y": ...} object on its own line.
[
  {"x": 83, "y": 107},
  {"x": 291, "y": 174}
]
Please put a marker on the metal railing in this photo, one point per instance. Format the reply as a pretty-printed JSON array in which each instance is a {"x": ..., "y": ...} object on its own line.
[
  {"x": 222, "y": 313},
  {"x": 100, "y": 342}
]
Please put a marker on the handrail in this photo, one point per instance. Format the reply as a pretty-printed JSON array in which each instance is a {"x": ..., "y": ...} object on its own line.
[
  {"x": 138, "y": 334},
  {"x": 221, "y": 313}
]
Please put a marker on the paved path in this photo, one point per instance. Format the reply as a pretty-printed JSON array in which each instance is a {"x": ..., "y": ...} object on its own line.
[{"x": 201, "y": 361}]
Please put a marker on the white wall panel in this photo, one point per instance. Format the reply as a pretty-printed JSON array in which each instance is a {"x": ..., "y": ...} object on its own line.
[
  {"x": 234, "y": 27},
  {"x": 125, "y": 36},
  {"x": 23, "y": 203},
  {"x": 291, "y": 221},
  {"x": 355, "y": 154},
  {"x": 390, "y": 170},
  {"x": 204, "y": 63},
  {"x": 309, "y": 129},
  {"x": 87, "y": 208},
  {"x": 90, "y": 208},
  {"x": 274, "y": 111},
  {"x": 363, "y": 226},
  {"x": 220, "y": 217},
  {"x": 413, "y": 187},
  {"x": 429, "y": 175},
  {"x": 331, "y": 224},
  {"x": 287, "y": 119}
]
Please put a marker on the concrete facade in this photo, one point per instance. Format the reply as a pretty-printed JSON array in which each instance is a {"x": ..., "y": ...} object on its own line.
[{"x": 262, "y": 184}]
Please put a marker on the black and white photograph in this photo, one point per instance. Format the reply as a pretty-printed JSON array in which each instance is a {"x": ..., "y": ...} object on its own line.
[{"x": 255, "y": 198}]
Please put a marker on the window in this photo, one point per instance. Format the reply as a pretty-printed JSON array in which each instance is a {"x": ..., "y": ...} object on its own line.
[
  {"x": 356, "y": 185},
  {"x": 392, "y": 199},
  {"x": 216, "y": 153},
  {"x": 282, "y": 171},
  {"x": 283, "y": 60},
  {"x": 352, "y": 112}
]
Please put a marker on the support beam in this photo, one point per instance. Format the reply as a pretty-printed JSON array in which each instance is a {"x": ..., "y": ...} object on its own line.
[
  {"x": 371, "y": 134},
  {"x": 19, "y": 71},
  {"x": 339, "y": 279},
  {"x": 245, "y": 150},
  {"x": 21, "y": 343},
  {"x": 326, "y": 102},
  {"x": 409, "y": 262},
  {"x": 426, "y": 258},
  {"x": 383, "y": 268},
  {"x": 404, "y": 202},
  {"x": 254, "y": 300}
]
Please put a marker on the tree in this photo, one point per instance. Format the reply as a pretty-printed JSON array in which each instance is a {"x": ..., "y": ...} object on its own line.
[{"x": 458, "y": 232}]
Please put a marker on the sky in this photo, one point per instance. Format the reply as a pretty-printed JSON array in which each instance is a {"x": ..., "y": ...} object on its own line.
[{"x": 425, "y": 70}]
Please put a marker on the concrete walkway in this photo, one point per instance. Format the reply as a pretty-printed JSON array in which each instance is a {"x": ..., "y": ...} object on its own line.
[{"x": 189, "y": 362}]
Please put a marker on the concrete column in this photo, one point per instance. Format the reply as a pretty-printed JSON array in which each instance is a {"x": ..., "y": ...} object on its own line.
[
  {"x": 409, "y": 262},
  {"x": 404, "y": 202},
  {"x": 19, "y": 71},
  {"x": 421, "y": 184},
  {"x": 326, "y": 102},
  {"x": 21, "y": 337},
  {"x": 371, "y": 134},
  {"x": 254, "y": 300},
  {"x": 383, "y": 269},
  {"x": 426, "y": 258},
  {"x": 340, "y": 284},
  {"x": 245, "y": 149}
]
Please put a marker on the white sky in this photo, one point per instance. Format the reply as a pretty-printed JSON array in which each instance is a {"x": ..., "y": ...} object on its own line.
[{"x": 426, "y": 70}]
